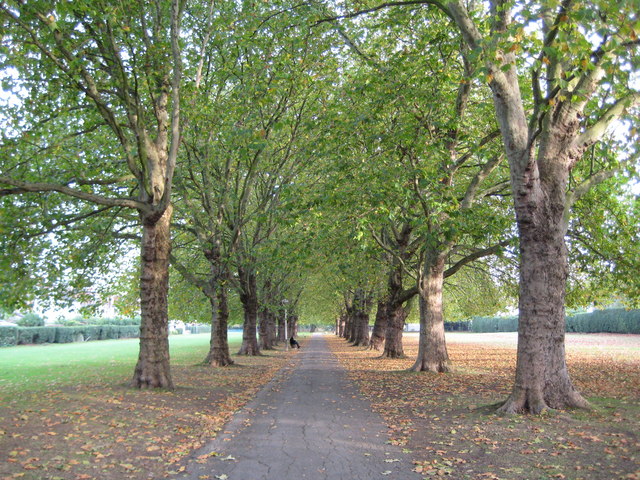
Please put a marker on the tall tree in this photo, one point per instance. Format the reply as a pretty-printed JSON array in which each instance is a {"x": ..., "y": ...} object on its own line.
[
  {"x": 580, "y": 84},
  {"x": 113, "y": 72}
]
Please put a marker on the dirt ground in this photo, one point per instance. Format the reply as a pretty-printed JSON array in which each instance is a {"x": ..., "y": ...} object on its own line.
[
  {"x": 448, "y": 423},
  {"x": 113, "y": 432}
]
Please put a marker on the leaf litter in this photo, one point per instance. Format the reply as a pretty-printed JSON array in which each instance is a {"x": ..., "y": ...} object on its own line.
[
  {"x": 108, "y": 431},
  {"x": 448, "y": 422}
]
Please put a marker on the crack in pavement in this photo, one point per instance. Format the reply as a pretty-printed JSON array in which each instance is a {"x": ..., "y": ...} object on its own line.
[{"x": 314, "y": 425}]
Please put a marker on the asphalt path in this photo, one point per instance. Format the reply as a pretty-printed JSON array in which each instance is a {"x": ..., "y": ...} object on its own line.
[{"x": 309, "y": 422}]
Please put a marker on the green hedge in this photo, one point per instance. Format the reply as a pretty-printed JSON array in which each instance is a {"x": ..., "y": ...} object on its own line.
[
  {"x": 96, "y": 332},
  {"x": 494, "y": 324},
  {"x": 31, "y": 320},
  {"x": 612, "y": 320},
  {"x": 199, "y": 328},
  {"x": 80, "y": 321},
  {"x": 29, "y": 335},
  {"x": 10, "y": 336}
]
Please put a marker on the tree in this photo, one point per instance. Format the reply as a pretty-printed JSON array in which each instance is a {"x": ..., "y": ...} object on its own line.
[
  {"x": 580, "y": 85},
  {"x": 401, "y": 248},
  {"x": 603, "y": 240},
  {"x": 114, "y": 72}
]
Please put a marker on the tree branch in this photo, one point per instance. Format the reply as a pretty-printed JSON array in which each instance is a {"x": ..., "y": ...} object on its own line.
[
  {"x": 188, "y": 276},
  {"x": 475, "y": 256},
  {"x": 382, "y": 6},
  {"x": 65, "y": 223},
  {"x": 25, "y": 187},
  {"x": 474, "y": 185},
  {"x": 594, "y": 180},
  {"x": 597, "y": 130}
]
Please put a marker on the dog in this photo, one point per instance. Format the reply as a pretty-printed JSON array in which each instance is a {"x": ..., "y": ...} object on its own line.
[{"x": 293, "y": 343}]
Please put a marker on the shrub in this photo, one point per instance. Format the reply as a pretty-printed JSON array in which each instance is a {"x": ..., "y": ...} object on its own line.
[
  {"x": 494, "y": 324},
  {"x": 197, "y": 328},
  {"x": 129, "y": 331},
  {"x": 37, "y": 335},
  {"x": 100, "y": 321},
  {"x": 31, "y": 320},
  {"x": 8, "y": 336},
  {"x": 612, "y": 320},
  {"x": 68, "y": 334},
  {"x": 72, "y": 322},
  {"x": 462, "y": 326}
]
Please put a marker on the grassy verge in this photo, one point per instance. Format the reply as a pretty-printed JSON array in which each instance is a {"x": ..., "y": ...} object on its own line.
[{"x": 67, "y": 413}]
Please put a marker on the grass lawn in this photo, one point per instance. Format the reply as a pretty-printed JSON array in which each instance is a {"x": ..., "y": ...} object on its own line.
[{"x": 41, "y": 367}]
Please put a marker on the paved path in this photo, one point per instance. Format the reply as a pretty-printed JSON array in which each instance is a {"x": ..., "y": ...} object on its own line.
[{"x": 311, "y": 424}]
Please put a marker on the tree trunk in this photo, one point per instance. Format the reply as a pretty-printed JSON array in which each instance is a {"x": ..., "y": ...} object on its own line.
[
  {"x": 249, "y": 299},
  {"x": 394, "y": 312},
  {"x": 219, "y": 355},
  {"x": 432, "y": 349},
  {"x": 361, "y": 307},
  {"x": 266, "y": 330},
  {"x": 293, "y": 326},
  {"x": 393, "y": 338},
  {"x": 379, "y": 327},
  {"x": 272, "y": 330},
  {"x": 152, "y": 369},
  {"x": 349, "y": 330},
  {"x": 361, "y": 330},
  {"x": 542, "y": 150},
  {"x": 542, "y": 379}
]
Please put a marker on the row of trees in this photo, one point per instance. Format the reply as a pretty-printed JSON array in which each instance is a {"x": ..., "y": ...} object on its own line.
[{"x": 261, "y": 147}]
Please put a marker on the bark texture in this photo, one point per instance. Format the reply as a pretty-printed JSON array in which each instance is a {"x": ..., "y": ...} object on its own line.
[
  {"x": 393, "y": 347},
  {"x": 152, "y": 369},
  {"x": 341, "y": 325},
  {"x": 219, "y": 355},
  {"x": 542, "y": 150},
  {"x": 432, "y": 348},
  {"x": 267, "y": 329},
  {"x": 542, "y": 379},
  {"x": 379, "y": 327},
  {"x": 360, "y": 307},
  {"x": 281, "y": 319},
  {"x": 249, "y": 299}
]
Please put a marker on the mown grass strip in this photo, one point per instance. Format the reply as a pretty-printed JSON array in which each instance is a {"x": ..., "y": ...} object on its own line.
[{"x": 37, "y": 367}]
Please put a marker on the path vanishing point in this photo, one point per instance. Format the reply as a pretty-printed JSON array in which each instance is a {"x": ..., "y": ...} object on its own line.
[{"x": 308, "y": 423}]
